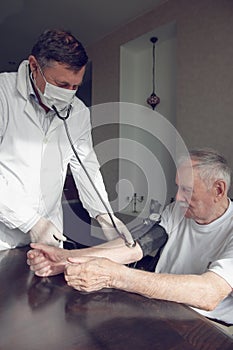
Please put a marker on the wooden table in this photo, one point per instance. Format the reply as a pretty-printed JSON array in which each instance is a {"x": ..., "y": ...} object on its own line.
[{"x": 38, "y": 313}]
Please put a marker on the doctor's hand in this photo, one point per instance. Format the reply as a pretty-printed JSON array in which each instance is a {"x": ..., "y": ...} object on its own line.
[
  {"x": 110, "y": 232},
  {"x": 90, "y": 274},
  {"x": 44, "y": 231},
  {"x": 46, "y": 260}
]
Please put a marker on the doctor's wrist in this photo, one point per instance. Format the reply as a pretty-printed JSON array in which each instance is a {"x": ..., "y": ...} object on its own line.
[{"x": 31, "y": 223}]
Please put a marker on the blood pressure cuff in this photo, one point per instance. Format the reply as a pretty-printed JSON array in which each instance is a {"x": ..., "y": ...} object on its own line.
[{"x": 152, "y": 240}]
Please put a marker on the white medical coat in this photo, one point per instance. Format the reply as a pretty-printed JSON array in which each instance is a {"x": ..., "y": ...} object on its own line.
[{"x": 33, "y": 164}]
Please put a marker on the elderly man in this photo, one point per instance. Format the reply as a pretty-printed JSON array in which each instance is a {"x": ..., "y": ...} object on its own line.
[{"x": 196, "y": 264}]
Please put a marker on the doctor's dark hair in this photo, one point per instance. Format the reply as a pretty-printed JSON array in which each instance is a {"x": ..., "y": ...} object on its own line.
[
  {"x": 60, "y": 46},
  {"x": 211, "y": 166}
]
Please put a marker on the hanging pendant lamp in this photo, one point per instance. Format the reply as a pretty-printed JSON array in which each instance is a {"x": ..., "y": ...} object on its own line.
[{"x": 153, "y": 100}]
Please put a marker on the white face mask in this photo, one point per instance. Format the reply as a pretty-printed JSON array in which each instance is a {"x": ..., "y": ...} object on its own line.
[{"x": 55, "y": 95}]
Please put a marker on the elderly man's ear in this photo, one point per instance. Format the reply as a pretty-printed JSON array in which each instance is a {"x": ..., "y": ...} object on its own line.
[{"x": 220, "y": 189}]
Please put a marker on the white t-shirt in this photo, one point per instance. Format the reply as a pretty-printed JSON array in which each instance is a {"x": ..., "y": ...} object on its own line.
[{"x": 195, "y": 249}]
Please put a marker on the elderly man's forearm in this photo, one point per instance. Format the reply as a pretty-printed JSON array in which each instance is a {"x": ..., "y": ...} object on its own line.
[{"x": 200, "y": 291}]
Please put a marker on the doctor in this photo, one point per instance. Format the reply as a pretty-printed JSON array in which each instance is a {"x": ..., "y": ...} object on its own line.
[{"x": 34, "y": 148}]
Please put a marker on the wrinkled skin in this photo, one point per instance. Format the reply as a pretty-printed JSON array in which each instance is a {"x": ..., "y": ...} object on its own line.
[{"x": 91, "y": 274}]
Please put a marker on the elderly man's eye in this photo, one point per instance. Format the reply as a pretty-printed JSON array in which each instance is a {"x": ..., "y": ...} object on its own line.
[{"x": 186, "y": 189}]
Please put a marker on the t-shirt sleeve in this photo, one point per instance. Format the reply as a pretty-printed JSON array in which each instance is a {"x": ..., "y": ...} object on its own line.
[{"x": 222, "y": 265}]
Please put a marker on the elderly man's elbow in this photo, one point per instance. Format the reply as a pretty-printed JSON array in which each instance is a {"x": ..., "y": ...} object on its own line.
[
  {"x": 210, "y": 303},
  {"x": 214, "y": 290},
  {"x": 210, "y": 306}
]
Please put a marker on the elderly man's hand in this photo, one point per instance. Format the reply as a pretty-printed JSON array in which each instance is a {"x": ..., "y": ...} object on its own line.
[
  {"x": 90, "y": 274},
  {"x": 47, "y": 260}
]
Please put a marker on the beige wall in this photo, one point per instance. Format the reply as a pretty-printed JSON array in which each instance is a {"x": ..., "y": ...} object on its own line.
[{"x": 204, "y": 114}]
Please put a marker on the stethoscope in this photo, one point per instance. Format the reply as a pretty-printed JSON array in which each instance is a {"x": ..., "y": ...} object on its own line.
[{"x": 128, "y": 243}]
